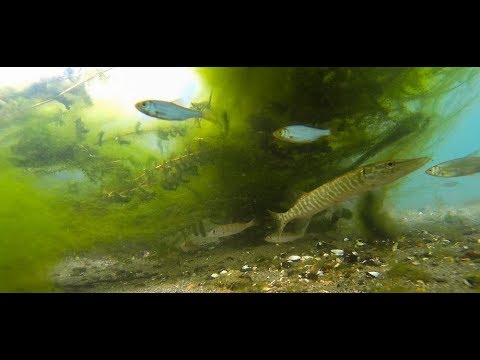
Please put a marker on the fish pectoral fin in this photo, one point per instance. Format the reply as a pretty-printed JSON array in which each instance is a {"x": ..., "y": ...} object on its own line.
[{"x": 301, "y": 225}]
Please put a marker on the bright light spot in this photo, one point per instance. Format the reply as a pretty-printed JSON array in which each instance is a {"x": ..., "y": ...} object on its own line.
[
  {"x": 126, "y": 86},
  {"x": 19, "y": 77},
  {"x": 123, "y": 87}
]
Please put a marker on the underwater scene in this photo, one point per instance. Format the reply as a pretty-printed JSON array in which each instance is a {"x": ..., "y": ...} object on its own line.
[{"x": 240, "y": 179}]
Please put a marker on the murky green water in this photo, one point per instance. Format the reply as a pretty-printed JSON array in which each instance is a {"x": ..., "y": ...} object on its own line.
[{"x": 99, "y": 196}]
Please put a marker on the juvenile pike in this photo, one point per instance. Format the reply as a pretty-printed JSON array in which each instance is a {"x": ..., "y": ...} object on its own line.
[
  {"x": 346, "y": 186},
  {"x": 230, "y": 229}
]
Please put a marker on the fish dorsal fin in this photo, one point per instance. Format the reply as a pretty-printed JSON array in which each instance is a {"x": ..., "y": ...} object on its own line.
[
  {"x": 177, "y": 102},
  {"x": 209, "y": 223},
  {"x": 302, "y": 194}
]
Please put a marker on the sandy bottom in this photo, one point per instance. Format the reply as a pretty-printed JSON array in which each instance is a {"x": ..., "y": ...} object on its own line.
[{"x": 437, "y": 253}]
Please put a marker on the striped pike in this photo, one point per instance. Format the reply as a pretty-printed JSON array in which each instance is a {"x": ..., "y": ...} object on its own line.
[{"x": 345, "y": 187}]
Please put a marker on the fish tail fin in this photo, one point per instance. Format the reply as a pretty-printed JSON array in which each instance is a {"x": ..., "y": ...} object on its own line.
[
  {"x": 278, "y": 217},
  {"x": 210, "y": 116}
]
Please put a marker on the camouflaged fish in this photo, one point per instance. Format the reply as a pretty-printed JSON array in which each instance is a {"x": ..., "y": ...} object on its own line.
[
  {"x": 346, "y": 186},
  {"x": 230, "y": 229}
]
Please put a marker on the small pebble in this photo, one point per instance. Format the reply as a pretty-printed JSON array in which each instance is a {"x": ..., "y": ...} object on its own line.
[
  {"x": 214, "y": 276},
  {"x": 374, "y": 274},
  {"x": 223, "y": 272},
  {"x": 254, "y": 268},
  {"x": 246, "y": 268},
  {"x": 294, "y": 258},
  {"x": 306, "y": 257},
  {"x": 325, "y": 255},
  {"x": 346, "y": 239},
  {"x": 359, "y": 243},
  {"x": 337, "y": 252},
  {"x": 354, "y": 253},
  {"x": 320, "y": 244}
]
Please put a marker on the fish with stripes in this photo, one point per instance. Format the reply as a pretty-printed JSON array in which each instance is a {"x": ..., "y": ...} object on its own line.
[{"x": 346, "y": 186}]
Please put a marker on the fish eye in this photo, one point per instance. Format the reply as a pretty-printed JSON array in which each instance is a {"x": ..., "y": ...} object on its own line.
[
  {"x": 214, "y": 231},
  {"x": 144, "y": 104},
  {"x": 390, "y": 164}
]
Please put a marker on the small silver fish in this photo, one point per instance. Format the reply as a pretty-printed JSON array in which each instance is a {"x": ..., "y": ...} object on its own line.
[
  {"x": 467, "y": 165},
  {"x": 194, "y": 243},
  {"x": 230, "y": 229},
  {"x": 166, "y": 110},
  {"x": 300, "y": 134},
  {"x": 288, "y": 237}
]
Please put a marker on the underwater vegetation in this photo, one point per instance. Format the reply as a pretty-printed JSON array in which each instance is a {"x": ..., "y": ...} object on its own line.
[{"x": 77, "y": 173}]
